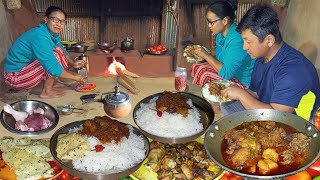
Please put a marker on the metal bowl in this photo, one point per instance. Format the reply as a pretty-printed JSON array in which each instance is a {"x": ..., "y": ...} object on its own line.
[
  {"x": 67, "y": 165},
  {"x": 215, "y": 134},
  {"x": 67, "y": 110},
  {"x": 50, "y": 113},
  {"x": 107, "y": 46},
  {"x": 206, "y": 118},
  {"x": 68, "y": 44},
  {"x": 216, "y": 101},
  {"x": 156, "y": 52},
  {"x": 80, "y": 48}
]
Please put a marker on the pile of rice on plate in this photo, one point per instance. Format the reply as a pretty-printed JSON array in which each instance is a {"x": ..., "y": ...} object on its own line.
[
  {"x": 169, "y": 124},
  {"x": 216, "y": 98},
  {"x": 114, "y": 157}
]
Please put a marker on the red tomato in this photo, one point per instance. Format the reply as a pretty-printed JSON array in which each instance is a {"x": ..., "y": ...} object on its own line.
[
  {"x": 314, "y": 169},
  {"x": 317, "y": 125},
  {"x": 55, "y": 166},
  {"x": 304, "y": 175},
  {"x": 159, "y": 113},
  {"x": 230, "y": 176},
  {"x": 64, "y": 176},
  {"x": 75, "y": 178},
  {"x": 99, "y": 148}
]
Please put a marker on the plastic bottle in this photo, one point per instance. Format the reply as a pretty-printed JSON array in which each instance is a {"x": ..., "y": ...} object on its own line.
[{"x": 180, "y": 81}]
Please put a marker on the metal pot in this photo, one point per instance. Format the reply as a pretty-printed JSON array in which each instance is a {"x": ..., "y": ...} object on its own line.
[
  {"x": 80, "y": 48},
  {"x": 127, "y": 44},
  {"x": 107, "y": 46},
  {"x": 116, "y": 104},
  {"x": 68, "y": 44},
  {"x": 215, "y": 134}
]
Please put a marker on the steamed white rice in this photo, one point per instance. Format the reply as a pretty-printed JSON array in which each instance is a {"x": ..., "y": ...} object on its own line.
[
  {"x": 212, "y": 98},
  {"x": 115, "y": 157},
  {"x": 169, "y": 124}
]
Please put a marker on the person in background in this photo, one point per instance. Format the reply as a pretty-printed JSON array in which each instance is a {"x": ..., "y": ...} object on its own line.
[
  {"x": 282, "y": 76},
  {"x": 39, "y": 55},
  {"x": 231, "y": 61}
]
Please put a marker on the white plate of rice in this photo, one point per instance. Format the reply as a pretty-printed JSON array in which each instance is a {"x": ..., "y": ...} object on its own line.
[
  {"x": 173, "y": 127},
  {"x": 114, "y": 162},
  {"x": 216, "y": 98}
]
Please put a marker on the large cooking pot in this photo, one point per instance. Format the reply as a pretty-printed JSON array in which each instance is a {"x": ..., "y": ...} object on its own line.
[{"x": 215, "y": 134}]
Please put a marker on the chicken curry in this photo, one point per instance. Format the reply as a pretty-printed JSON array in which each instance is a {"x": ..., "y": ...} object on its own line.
[{"x": 264, "y": 148}]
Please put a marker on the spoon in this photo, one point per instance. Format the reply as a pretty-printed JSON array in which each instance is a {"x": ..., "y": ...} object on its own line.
[{"x": 69, "y": 107}]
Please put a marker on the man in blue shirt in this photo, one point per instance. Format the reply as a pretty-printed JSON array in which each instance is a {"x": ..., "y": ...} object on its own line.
[{"x": 281, "y": 75}]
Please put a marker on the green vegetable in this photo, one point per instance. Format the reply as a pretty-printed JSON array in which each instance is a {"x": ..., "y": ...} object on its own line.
[
  {"x": 126, "y": 178},
  {"x": 316, "y": 178}
]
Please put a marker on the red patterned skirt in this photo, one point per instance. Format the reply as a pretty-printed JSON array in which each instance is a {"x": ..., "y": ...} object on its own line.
[
  {"x": 32, "y": 74},
  {"x": 203, "y": 73}
]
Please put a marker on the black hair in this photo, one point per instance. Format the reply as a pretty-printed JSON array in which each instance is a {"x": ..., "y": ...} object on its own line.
[
  {"x": 224, "y": 9},
  {"x": 261, "y": 20},
  {"x": 53, "y": 9}
]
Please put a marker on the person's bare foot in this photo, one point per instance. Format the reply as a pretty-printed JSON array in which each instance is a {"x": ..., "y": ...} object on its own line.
[
  {"x": 52, "y": 93},
  {"x": 58, "y": 84}
]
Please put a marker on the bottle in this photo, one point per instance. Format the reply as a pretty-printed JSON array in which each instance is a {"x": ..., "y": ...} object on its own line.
[{"x": 180, "y": 81}]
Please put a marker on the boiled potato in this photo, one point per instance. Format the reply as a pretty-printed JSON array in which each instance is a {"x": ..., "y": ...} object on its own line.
[{"x": 270, "y": 154}]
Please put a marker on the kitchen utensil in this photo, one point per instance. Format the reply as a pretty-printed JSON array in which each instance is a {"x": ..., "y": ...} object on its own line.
[
  {"x": 50, "y": 113},
  {"x": 107, "y": 46},
  {"x": 67, "y": 165},
  {"x": 204, "y": 108},
  {"x": 80, "y": 48},
  {"x": 156, "y": 52},
  {"x": 127, "y": 44},
  {"x": 69, "y": 107},
  {"x": 192, "y": 58},
  {"x": 66, "y": 111},
  {"x": 216, "y": 131},
  {"x": 68, "y": 44},
  {"x": 83, "y": 71},
  {"x": 116, "y": 104},
  {"x": 91, "y": 45}
]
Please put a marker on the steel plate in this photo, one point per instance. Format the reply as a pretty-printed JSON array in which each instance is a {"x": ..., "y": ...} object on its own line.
[
  {"x": 192, "y": 59},
  {"x": 110, "y": 175},
  {"x": 216, "y": 131},
  {"x": 206, "y": 118},
  {"x": 50, "y": 113},
  {"x": 156, "y": 52}
]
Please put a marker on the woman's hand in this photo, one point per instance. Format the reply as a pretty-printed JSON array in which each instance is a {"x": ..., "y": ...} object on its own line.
[
  {"x": 79, "y": 79},
  {"x": 79, "y": 64},
  {"x": 201, "y": 53}
]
